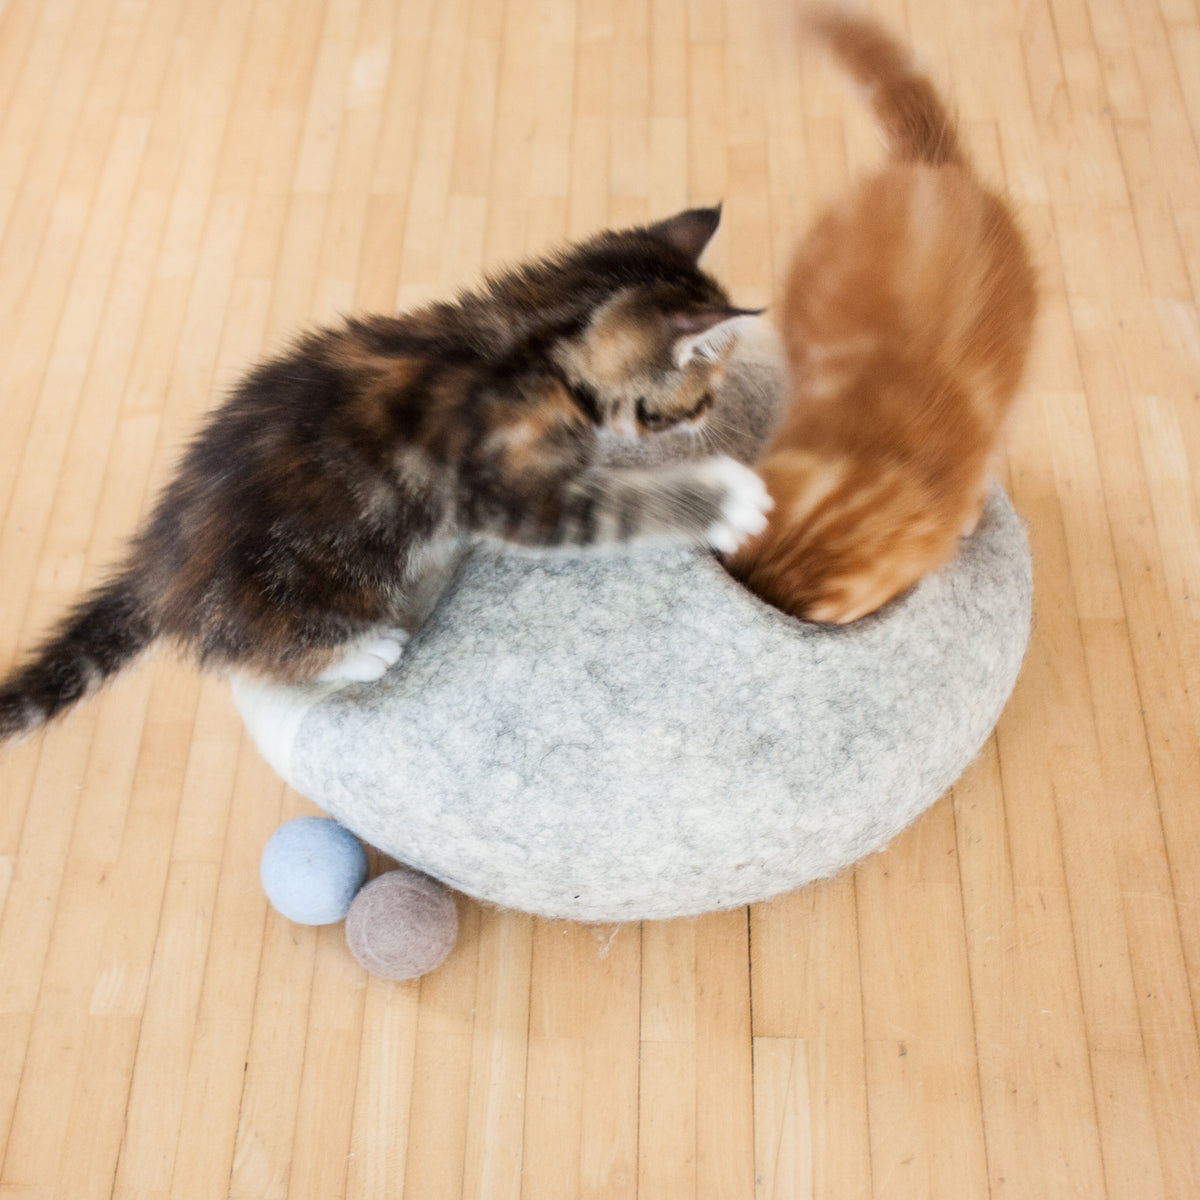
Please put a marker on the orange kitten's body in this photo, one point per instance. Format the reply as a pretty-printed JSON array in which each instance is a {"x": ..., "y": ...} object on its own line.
[{"x": 906, "y": 321}]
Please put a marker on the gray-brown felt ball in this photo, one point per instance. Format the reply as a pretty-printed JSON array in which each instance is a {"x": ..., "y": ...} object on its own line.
[{"x": 402, "y": 924}]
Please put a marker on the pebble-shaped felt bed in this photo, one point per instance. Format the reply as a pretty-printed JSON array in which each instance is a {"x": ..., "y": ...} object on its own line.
[{"x": 624, "y": 735}]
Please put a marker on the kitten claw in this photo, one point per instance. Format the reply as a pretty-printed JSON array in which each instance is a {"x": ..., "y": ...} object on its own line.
[
  {"x": 368, "y": 658},
  {"x": 743, "y": 510}
]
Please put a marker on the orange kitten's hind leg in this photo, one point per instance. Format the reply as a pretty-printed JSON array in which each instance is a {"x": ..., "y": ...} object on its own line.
[
  {"x": 990, "y": 475},
  {"x": 976, "y": 510}
]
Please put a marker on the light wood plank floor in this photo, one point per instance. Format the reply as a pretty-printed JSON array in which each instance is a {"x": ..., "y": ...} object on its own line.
[{"x": 1002, "y": 1004}]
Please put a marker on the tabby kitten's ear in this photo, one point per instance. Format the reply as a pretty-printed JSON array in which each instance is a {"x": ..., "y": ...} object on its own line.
[
  {"x": 690, "y": 230},
  {"x": 705, "y": 333}
]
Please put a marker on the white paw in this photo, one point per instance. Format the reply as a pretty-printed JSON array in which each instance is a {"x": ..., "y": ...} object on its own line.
[
  {"x": 367, "y": 658},
  {"x": 744, "y": 510}
]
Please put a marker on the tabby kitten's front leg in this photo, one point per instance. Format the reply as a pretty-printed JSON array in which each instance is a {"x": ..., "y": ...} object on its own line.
[
  {"x": 715, "y": 502},
  {"x": 534, "y": 483}
]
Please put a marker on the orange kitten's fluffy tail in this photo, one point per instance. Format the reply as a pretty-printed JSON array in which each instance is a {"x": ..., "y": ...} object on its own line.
[{"x": 917, "y": 124}]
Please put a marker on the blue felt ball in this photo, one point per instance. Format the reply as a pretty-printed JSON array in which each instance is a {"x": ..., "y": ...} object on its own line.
[{"x": 312, "y": 868}]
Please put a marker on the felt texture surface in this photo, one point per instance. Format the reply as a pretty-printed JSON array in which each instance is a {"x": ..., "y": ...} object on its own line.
[{"x": 629, "y": 734}]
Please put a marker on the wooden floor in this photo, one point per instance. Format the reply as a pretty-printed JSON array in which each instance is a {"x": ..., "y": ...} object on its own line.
[{"x": 1003, "y": 1004}]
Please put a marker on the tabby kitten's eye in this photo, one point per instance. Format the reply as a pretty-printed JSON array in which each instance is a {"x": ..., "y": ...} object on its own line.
[{"x": 654, "y": 422}]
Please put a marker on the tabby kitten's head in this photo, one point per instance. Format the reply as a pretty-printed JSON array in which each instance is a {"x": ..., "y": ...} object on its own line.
[{"x": 653, "y": 344}]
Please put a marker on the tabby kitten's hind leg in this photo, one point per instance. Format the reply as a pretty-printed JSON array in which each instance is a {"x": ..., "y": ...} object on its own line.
[{"x": 367, "y": 658}]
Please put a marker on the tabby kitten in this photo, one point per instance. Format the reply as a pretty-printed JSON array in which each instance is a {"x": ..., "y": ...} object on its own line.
[
  {"x": 300, "y": 531},
  {"x": 907, "y": 318}
]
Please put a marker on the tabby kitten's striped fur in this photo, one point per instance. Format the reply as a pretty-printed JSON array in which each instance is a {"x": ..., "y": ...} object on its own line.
[
  {"x": 299, "y": 532},
  {"x": 907, "y": 319}
]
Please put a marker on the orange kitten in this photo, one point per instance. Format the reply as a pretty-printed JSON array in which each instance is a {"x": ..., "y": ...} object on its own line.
[{"x": 907, "y": 317}]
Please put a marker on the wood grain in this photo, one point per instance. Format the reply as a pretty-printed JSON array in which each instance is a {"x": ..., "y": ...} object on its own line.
[{"x": 1004, "y": 1003}]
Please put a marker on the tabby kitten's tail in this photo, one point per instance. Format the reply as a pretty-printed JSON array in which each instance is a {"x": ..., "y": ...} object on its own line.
[
  {"x": 107, "y": 630},
  {"x": 906, "y": 105}
]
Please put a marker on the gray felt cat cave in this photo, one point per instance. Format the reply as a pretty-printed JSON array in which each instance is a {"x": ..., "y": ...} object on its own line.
[{"x": 628, "y": 735}]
